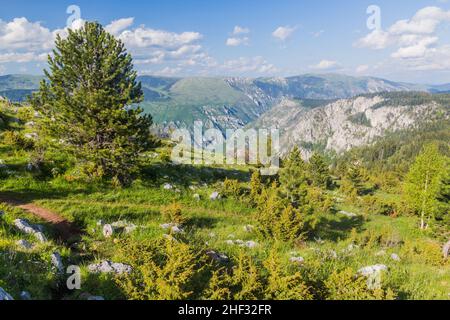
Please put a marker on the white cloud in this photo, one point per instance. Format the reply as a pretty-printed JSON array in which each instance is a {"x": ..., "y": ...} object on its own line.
[
  {"x": 413, "y": 39},
  {"x": 283, "y": 33},
  {"x": 116, "y": 26},
  {"x": 23, "y": 34},
  {"x": 245, "y": 65},
  {"x": 234, "y": 42},
  {"x": 146, "y": 38},
  {"x": 240, "y": 30},
  {"x": 325, "y": 65},
  {"x": 22, "y": 57}
]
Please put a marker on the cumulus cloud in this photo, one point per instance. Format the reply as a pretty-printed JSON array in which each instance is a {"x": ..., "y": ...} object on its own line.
[
  {"x": 116, "y": 26},
  {"x": 240, "y": 30},
  {"x": 325, "y": 65},
  {"x": 283, "y": 33},
  {"x": 23, "y": 34},
  {"x": 234, "y": 42},
  {"x": 412, "y": 39}
]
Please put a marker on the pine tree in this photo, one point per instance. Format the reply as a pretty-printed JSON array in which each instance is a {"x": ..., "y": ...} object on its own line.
[
  {"x": 424, "y": 182},
  {"x": 87, "y": 99},
  {"x": 255, "y": 186},
  {"x": 318, "y": 170},
  {"x": 293, "y": 177}
]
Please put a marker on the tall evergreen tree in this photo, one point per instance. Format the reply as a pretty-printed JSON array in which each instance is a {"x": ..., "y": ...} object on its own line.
[
  {"x": 424, "y": 182},
  {"x": 88, "y": 94},
  {"x": 318, "y": 171},
  {"x": 293, "y": 177}
]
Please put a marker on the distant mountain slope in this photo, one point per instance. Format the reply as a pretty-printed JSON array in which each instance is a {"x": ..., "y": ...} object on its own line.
[
  {"x": 231, "y": 102},
  {"x": 346, "y": 123},
  {"x": 18, "y": 87}
]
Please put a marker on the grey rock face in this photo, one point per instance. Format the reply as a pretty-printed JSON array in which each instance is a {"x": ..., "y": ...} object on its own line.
[{"x": 446, "y": 250}]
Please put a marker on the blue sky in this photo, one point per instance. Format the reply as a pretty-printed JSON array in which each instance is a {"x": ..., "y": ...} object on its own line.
[{"x": 245, "y": 38}]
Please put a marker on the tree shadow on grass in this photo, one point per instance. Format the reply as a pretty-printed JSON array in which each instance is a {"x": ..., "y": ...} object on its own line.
[{"x": 337, "y": 228}]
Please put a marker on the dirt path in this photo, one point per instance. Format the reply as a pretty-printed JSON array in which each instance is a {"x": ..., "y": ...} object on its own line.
[{"x": 65, "y": 230}]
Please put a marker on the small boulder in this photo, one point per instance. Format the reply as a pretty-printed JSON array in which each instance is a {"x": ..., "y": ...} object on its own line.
[
  {"x": 108, "y": 230},
  {"x": 217, "y": 257},
  {"x": 24, "y": 244},
  {"x": 370, "y": 270},
  {"x": 40, "y": 237},
  {"x": 25, "y": 295},
  {"x": 395, "y": 257},
  {"x": 196, "y": 197},
  {"x": 57, "y": 262},
  {"x": 214, "y": 196},
  {"x": 251, "y": 244},
  {"x": 167, "y": 186},
  {"x": 248, "y": 228},
  {"x": 109, "y": 267},
  {"x": 446, "y": 250},
  {"x": 297, "y": 260},
  {"x": 5, "y": 295}
]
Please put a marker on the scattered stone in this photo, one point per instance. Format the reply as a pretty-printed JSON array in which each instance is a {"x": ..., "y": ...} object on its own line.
[
  {"x": 100, "y": 223},
  {"x": 196, "y": 197},
  {"x": 192, "y": 188},
  {"x": 370, "y": 270},
  {"x": 39, "y": 228},
  {"x": 24, "y": 244},
  {"x": 248, "y": 228},
  {"x": 351, "y": 247},
  {"x": 214, "y": 196},
  {"x": 5, "y": 295},
  {"x": 32, "y": 135},
  {"x": 25, "y": 295},
  {"x": 251, "y": 244},
  {"x": 348, "y": 214},
  {"x": 217, "y": 257},
  {"x": 169, "y": 237},
  {"x": 57, "y": 262},
  {"x": 108, "y": 230},
  {"x": 229, "y": 242},
  {"x": 30, "y": 124},
  {"x": 239, "y": 242},
  {"x": 168, "y": 186},
  {"x": 297, "y": 260},
  {"x": 176, "y": 229},
  {"x": 446, "y": 250},
  {"x": 109, "y": 267},
  {"x": 166, "y": 226},
  {"x": 395, "y": 257},
  {"x": 24, "y": 226},
  {"x": 40, "y": 237}
]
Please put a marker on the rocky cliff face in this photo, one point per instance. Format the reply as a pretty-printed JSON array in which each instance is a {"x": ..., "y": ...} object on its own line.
[{"x": 341, "y": 125}]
